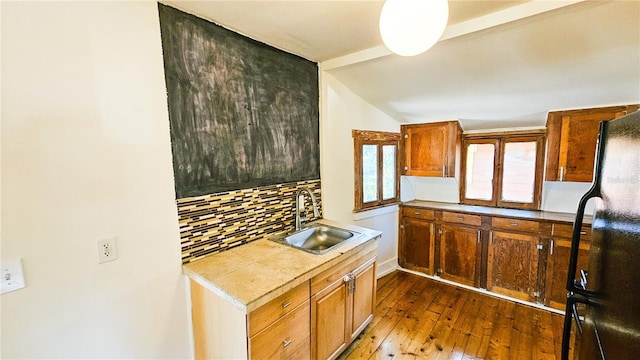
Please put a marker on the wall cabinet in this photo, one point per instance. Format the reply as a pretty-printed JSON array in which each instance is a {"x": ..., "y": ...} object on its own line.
[
  {"x": 430, "y": 149},
  {"x": 342, "y": 304},
  {"x": 571, "y": 139},
  {"x": 558, "y": 262},
  {"x": 416, "y": 245}
]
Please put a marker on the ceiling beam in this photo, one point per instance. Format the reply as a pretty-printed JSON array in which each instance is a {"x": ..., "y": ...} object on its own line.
[{"x": 514, "y": 13}]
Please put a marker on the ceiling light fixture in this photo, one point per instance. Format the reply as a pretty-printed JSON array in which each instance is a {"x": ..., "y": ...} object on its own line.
[{"x": 411, "y": 27}]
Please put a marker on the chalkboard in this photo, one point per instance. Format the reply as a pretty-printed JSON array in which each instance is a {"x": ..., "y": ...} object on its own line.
[{"x": 242, "y": 114}]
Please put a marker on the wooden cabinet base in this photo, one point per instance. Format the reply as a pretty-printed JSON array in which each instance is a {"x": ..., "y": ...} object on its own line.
[{"x": 299, "y": 324}]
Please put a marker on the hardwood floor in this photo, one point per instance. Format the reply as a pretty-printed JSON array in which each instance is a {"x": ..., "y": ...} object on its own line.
[{"x": 420, "y": 318}]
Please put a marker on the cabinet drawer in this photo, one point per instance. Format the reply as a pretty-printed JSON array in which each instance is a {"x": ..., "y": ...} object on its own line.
[
  {"x": 566, "y": 230},
  {"x": 287, "y": 338},
  {"x": 278, "y": 307},
  {"x": 417, "y": 213},
  {"x": 515, "y": 224},
  {"x": 461, "y": 218}
]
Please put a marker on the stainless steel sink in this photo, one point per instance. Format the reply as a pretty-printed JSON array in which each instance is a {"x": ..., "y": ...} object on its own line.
[{"x": 317, "y": 238}]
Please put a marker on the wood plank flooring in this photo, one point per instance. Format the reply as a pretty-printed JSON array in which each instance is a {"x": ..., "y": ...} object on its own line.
[{"x": 421, "y": 318}]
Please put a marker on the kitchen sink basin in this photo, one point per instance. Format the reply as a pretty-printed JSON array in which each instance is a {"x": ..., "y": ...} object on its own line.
[{"x": 317, "y": 238}]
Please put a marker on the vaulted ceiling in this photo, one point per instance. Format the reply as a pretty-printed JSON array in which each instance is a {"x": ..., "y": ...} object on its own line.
[{"x": 499, "y": 63}]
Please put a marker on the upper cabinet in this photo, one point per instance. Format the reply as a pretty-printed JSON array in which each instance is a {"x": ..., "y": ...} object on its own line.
[
  {"x": 430, "y": 149},
  {"x": 571, "y": 141}
]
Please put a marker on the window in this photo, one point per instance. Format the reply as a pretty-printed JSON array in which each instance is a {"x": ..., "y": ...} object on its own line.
[
  {"x": 503, "y": 169},
  {"x": 377, "y": 180}
]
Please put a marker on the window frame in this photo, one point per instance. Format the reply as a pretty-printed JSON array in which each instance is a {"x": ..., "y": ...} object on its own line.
[
  {"x": 380, "y": 139},
  {"x": 499, "y": 140}
]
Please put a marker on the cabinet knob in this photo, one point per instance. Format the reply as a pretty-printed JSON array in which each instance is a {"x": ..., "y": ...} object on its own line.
[{"x": 406, "y": 168}]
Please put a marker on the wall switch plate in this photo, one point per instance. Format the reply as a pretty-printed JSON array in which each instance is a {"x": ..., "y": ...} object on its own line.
[
  {"x": 12, "y": 276},
  {"x": 107, "y": 250}
]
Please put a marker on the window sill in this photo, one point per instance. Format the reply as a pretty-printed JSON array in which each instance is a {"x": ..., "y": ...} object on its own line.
[{"x": 375, "y": 211}]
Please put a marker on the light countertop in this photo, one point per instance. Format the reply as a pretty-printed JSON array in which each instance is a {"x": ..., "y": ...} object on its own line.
[
  {"x": 486, "y": 210},
  {"x": 251, "y": 275}
]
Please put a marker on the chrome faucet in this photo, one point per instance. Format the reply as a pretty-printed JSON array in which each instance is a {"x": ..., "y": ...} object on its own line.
[{"x": 316, "y": 213}]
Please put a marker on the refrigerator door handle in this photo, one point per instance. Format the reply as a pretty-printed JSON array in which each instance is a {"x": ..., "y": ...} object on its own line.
[{"x": 594, "y": 191}]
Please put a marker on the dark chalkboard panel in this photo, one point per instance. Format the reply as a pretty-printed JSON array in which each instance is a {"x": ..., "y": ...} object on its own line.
[{"x": 242, "y": 113}]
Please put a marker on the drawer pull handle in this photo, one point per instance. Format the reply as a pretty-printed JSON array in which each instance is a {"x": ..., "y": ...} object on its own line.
[
  {"x": 583, "y": 233},
  {"x": 287, "y": 342},
  {"x": 286, "y": 304},
  {"x": 460, "y": 217},
  {"x": 417, "y": 213},
  {"x": 514, "y": 224}
]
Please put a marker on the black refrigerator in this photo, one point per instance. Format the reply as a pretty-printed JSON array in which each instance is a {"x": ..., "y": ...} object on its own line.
[{"x": 608, "y": 322}]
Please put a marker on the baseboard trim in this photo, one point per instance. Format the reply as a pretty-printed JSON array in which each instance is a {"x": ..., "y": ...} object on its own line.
[
  {"x": 483, "y": 291},
  {"x": 386, "y": 267}
]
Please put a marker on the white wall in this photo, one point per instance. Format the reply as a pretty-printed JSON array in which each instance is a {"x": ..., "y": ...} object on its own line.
[
  {"x": 340, "y": 112},
  {"x": 86, "y": 155},
  {"x": 556, "y": 196}
]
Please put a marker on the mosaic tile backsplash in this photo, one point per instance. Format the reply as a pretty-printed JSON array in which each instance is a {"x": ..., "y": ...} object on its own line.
[{"x": 219, "y": 222}]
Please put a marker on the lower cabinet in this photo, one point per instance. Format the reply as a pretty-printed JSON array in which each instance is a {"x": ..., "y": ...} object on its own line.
[
  {"x": 512, "y": 267},
  {"x": 287, "y": 338},
  {"x": 527, "y": 259},
  {"x": 317, "y": 319},
  {"x": 459, "y": 254},
  {"x": 342, "y": 305},
  {"x": 558, "y": 263},
  {"x": 417, "y": 240}
]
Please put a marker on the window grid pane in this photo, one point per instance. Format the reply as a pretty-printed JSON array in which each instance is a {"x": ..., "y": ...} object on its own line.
[
  {"x": 388, "y": 172},
  {"x": 479, "y": 171},
  {"x": 519, "y": 171},
  {"x": 369, "y": 173}
]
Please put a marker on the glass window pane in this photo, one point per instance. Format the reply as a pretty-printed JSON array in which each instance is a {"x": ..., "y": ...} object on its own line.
[
  {"x": 388, "y": 172},
  {"x": 479, "y": 171},
  {"x": 369, "y": 173},
  {"x": 519, "y": 170}
]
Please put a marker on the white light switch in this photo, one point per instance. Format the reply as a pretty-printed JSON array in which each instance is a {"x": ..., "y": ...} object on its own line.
[{"x": 12, "y": 277}]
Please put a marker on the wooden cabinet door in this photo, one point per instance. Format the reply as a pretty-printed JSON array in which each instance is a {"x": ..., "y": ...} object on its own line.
[
  {"x": 363, "y": 298},
  {"x": 579, "y": 135},
  {"x": 430, "y": 149},
  {"x": 329, "y": 321},
  {"x": 572, "y": 137},
  {"x": 512, "y": 267},
  {"x": 557, "y": 267},
  {"x": 459, "y": 254},
  {"x": 417, "y": 244}
]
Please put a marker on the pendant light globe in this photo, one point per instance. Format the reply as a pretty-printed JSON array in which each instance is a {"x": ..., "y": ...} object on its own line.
[{"x": 411, "y": 27}]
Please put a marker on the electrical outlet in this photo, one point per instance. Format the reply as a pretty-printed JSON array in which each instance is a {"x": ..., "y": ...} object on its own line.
[
  {"x": 12, "y": 277},
  {"x": 107, "y": 250}
]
